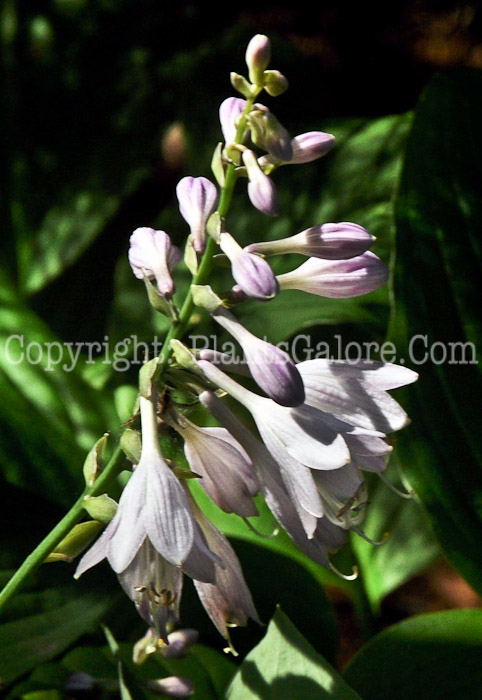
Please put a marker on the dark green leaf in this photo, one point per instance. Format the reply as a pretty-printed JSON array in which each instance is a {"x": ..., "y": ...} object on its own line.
[
  {"x": 434, "y": 657},
  {"x": 284, "y": 665},
  {"x": 438, "y": 285}
]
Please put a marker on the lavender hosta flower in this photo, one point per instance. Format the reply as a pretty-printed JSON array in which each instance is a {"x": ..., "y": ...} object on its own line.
[
  {"x": 153, "y": 534},
  {"x": 227, "y": 600},
  {"x": 229, "y": 113},
  {"x": 271, "y": 368},
  {"x": 305, "y": 147},
  {"x": 226, "y": 472},
  {"x": 152, "y": 255},
  {"x": 296, "y": 437},
  {"x": 357, "y": 394},
  {"x": 258, "y": 56},
  {"x": 251, "y": 272},
  {"x": 261, "y": 190},
  {"x": 197, "y": 200},
  {"x": 328, "y": 241},
  {"x": 312, "y": 534},
  {"x": 337, "y": 279}
]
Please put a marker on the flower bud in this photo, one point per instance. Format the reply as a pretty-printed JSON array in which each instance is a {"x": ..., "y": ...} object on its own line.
[
  {"x": 310, "y": 146},
  {"x": 152, "y": 255},
  {"x": 268, "y": 133},
  {"x": 229, "y": 113},
  {"x": 94, "y": 461},
  {"x": 172, "y": 686},
  {"x": 197, "y": 200},
  {"x": 261, "y": 190},
  {"x": 240, "y": 84},
  {"x": 179, "y": 641},
  {"x": 130, "y": 443},
  {"x": 271, "y": 368},
  {"x": 337, "y": 279},
  {"x": 274, "y": 82},
  {"x": 101, "y": 508},
  {"x": 328, "y": 241},
  {"x": 75, "y": 542},
  {"x": 251, "y": 272},
  {"x": 258, "y": 56}
]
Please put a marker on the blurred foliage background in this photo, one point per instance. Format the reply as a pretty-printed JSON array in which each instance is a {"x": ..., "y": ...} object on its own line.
[{"x": 104, "y": 106}]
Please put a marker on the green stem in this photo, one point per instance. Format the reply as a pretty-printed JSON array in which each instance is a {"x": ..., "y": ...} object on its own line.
[
  {"x": 48, "y": 544},
  {"x": 114, "y": 466}
]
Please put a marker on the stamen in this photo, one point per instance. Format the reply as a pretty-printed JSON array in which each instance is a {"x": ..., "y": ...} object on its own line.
[
  {"x": 368, "y": 539},
  {"x": 403, "y": 494},
  {"x": 260, "y": 534},
  {"x": 347, "y": 577}
]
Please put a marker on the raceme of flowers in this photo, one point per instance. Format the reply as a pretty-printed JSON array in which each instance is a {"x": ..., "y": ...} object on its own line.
[{"x": 319, "y": 424}]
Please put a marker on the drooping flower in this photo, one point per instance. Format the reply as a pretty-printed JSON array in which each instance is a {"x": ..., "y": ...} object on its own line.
[
  {"x": 261, "y": 189},
  {"x": 153, "y": 256},
  {"x": 338, "y": 279},
  {"x": 328, "y": 241},
  {"x": 226, "y": 472},
  {"x": 229, "y": 112},
  {"x": 272, "y": 368},
  {"x": 251, "y": 272},
  {"x": 197, "y": 200}
]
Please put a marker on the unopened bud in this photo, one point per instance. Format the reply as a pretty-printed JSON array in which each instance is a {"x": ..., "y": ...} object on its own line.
[
  {"x": 274, "y": 82},
  {"x": 251, "y": 272},
  {"x": 310, "y": 146},
  {"x": 130, "y": 443},
  {"x": 94, "y": 462},
  {"x": 153, "y": 256},
  {"x": 261, "y": 190},
  {"x": 268, "y": 133},
  {"x": 172, "y": 686},
  {"x": 101, "y": 508},
  {"x": 229, "y": 112},
  {"x": 197, "y": 200},
  {"x": 258, "y": 56},
  {"x": 179, "y": 641},
  {"x": 75, "y": 542},
  {"x": 240, "y": 84}
]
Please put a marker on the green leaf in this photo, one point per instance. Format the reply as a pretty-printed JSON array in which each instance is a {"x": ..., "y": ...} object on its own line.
[
  {"x": 284, "y": 665},
  {"x": 434, "y": 656},
  {"x": 49, "y": 416},
  {"x": 53, "y": 620},
  {"x": 409, "y": 546},
  {"x": 437, "y": 291}
]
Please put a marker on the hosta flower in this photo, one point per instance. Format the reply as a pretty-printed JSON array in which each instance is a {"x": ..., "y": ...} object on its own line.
[
  {"x": 357, "y": 393},
  {"x": 328, "y": 241},
  {"x": 258, "y": 56},
  {"x": 152, "y": 535},
  {"x": 226, "y": 472},
  {"x": 305, "y": 148},
  {"x": 227, "y": 600},
  {"x": 152, "y": 256},
  {"x": 261, "y": 190},
  {"x": 337, "y": 279},
  {"x": 229, "y": 113},
  {"x": 197, "y": 200},
  {"x": 272, "y": 368},
  {"x": 251, "y": 272}
]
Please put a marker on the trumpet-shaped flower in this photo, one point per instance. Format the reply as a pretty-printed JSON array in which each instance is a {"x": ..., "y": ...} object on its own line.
[
  {"x": 251, "y": 272},
  {"x": 328, "y": 241},
  {"x": 152, "y": 256},
  {"x": 272, "y": 368},
  {"x": 337, "y": 279},
  {"x": 197, "y": 200}
]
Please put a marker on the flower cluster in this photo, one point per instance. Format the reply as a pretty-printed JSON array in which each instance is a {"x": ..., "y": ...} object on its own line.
[{"x": 319, "y": 424}]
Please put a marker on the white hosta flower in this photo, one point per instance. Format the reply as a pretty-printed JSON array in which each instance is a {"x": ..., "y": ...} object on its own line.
[
  {"x": 311, "y": 533},
  {"x": 152, "y": 255},
  {"x": 337, "y": 279},
  {"x": 302, "y": 435},
  {"x": 356, "y": 393},
  {"x": 227, "y": 600}
]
